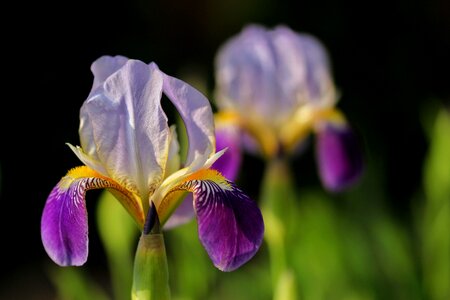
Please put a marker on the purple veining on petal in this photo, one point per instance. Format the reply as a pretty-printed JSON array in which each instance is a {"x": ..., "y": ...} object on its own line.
[
  {"x": 230, "y": 162},
  {"x": 64, "y": 225},
  {"x": 230, "y": 224},
  {"x": 339, "y": 157}
]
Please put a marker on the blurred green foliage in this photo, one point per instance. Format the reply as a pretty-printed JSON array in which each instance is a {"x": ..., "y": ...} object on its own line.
[
  {"x": 317, "y": 246},
  {"x": 73, "y": 283},
  {"x": 119, "y": 235},
  {"x": 327, "y": 246},
  {"x": 435, "y": 225}
]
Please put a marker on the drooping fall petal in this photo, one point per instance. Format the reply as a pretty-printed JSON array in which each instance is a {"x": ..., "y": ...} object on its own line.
[
  {"x": 339, "y": 157},
  {"x": 64, "y": 224},
  {"x": 230, "y": 224},
  {"x": 182, "y": 214},
  {"x": 66, "y": 244}
]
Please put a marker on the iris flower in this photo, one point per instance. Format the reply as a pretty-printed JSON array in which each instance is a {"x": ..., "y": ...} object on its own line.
[
  {"x": 273, "y": 88},
  {"x": 128, "y": 148}
]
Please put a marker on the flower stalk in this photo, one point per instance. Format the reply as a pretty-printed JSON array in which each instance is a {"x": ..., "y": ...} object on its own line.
[
  {"x": 278, "y": 201},
  {"x": 151, "y": 274}
]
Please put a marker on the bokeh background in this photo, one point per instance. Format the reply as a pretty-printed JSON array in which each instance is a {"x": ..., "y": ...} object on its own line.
[{"x": 390, "y": 61}]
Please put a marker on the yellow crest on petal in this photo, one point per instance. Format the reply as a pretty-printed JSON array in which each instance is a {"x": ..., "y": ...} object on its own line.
[
  {"x": 127, "y": 198},
  {"x": 209, "y": 174},
  {"x": 264, "y": 134},
  {"x": 306, "y": 119},
  {"x": 173, "y": 198}
]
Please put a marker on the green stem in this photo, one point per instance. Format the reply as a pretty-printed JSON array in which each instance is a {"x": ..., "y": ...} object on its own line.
[
  {"x": 278, "y": 203},
  {"x": 151, "y": 274}
]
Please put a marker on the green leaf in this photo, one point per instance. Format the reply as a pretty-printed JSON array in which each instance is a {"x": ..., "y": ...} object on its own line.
[
  {"x": 317, "y": 253},
  {"x": 437, "y": 163},
  {"x": 191, "y": 271},
  {"x": 394, "y": 257},
  {"x": 436, "y": 219}
]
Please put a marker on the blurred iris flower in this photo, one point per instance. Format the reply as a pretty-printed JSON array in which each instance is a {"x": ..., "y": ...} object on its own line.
[
  {"x": 128, "y": 148},
  {"x": 273, "y": 88}
]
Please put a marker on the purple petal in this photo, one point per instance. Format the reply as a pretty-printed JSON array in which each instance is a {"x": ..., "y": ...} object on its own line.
[
  {"x": 124, "y": 129},
  {"x": 303, "y": 66},
  {"x": 270, "y": 72},
  {"x": 195, "y": 110},
  {"x": 230, "y": 224},
  {"x": 339, "y": 157},
  {"x": 104, "y": 66},
  {"x": 230, "y": 162},
  {"x": 182, "y": 214},
  {"x": 64, "y": 225},
  {"x": 246, "y": 74}
]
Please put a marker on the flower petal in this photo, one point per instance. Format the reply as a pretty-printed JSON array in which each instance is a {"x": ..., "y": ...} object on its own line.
[
  {"x": 246, "y": 75},
  {"x": 267, "y": 74},
  {"x": 64, "y": 225},
  {"x": 173, "y": 159},
  {"x": 228, "y": 136},
  {"x": 104, "y": 66},
  {"x": 168, "y": 196},
  {"x": 88, "y": 160},
  {"x": 339, "y": 156},
  {"x": 230, "y": 224},
  {"x": 182, "y": 214},
  {"x": 195, "y": 110},
  {"x": 303, "y": 68},
  {"x": 124, "y": 128}
]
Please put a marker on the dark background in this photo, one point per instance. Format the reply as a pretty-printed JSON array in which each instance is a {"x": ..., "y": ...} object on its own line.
[{"x": 390, "y": 59}]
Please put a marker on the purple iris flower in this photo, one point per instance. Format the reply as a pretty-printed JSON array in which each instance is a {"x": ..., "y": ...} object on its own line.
[
  {"x": 128, "y": 148},
  {"x": 274, "y": 87}
]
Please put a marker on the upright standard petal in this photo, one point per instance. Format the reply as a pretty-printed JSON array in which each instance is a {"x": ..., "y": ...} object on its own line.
[
  {"x": 197, "y": 116},
  {"x": 104, "y": 66},
  {"x": 339, "y": 156},
  {"x": 271, "y": 73},
  {"x": 173, "y": 159},
  {"x": 303, "y": 69},
  {"x": 230, "y": 224},
  {"x": 64, "y": 224},
  {"x": 246, "y": 75},
  {"x": 125, "y": 129}
]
